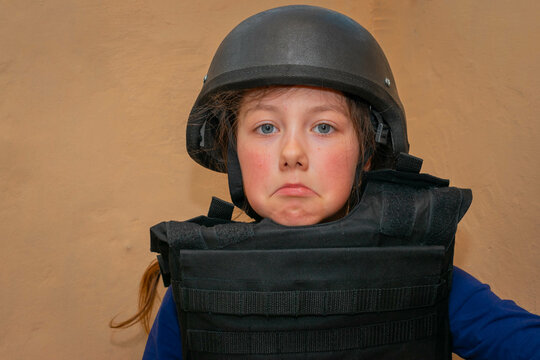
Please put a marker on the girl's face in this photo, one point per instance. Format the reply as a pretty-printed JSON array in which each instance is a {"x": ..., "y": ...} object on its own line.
[{"x": 298, "y": 150}]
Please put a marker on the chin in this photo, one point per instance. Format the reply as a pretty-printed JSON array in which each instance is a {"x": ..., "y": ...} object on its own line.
[{"x": 293, "y": 219}]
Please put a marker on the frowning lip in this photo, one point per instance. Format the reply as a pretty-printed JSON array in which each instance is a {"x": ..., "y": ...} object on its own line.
[{"x": 296, "y": 189}]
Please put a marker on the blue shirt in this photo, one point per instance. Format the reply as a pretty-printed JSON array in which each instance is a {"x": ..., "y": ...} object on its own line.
[{"x": 483, "y": 326}]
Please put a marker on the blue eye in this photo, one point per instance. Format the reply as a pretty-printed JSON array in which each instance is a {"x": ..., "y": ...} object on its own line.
[
  {"x": 323, "y": 128},
  {"x": 266, "y": 129}
]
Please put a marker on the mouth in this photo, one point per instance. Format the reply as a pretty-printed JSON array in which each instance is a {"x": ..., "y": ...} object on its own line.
[{"x": 295, "y": 190}]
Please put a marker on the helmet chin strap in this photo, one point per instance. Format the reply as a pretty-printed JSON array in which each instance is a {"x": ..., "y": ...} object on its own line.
[
  {"x": 360, "y": 171},
  {"x": 236, "y": 187}
]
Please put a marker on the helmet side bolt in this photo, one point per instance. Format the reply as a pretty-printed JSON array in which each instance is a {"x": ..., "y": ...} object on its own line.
[
  {"x": 205, "y": 77},
  {"x": 387, "y": 82}
]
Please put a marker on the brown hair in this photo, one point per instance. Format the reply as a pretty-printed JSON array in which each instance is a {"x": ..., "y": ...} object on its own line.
[
  {"x": 147, "y": 297},
  {"x": 224, "y": 107}
]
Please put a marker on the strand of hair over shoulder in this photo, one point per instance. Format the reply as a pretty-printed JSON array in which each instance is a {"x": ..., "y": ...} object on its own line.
[{"x": 147, "y": 296}]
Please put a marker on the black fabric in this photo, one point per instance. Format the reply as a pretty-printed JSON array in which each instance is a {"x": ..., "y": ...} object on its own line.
[
  {"x": 270, "y": 342},
  {"x": 187, "y": 234},
  {"x": 164, "y": 270},
  {"x": 315, "y": 268},
  {"x": 409, "y": 163},
  {"x": 158, "y": 238},
  {"x": 444, "y": 217},
  {"x": 398, "y": 213},
  {"x": 220, "y": 209},
  {"x": 232, "y": 234},
  {"x": 301, "y": 303},
  {"x": 351, "y": 288},
  {"x": 406, "y": 178}
]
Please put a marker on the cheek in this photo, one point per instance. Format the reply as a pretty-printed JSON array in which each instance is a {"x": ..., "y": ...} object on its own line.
[
  {"x": 341, "y": 161},
  {"x": 340, "y": 169},
  {"x": 255, "y": 165}
]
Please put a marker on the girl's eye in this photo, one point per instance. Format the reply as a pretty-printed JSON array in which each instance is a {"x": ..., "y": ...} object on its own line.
[
  {"x": 323, "y": 128},
  {"x": 266, "y": 129}
]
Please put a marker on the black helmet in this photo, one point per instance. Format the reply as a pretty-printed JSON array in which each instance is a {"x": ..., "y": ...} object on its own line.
[{"x": 297, "y": 45}]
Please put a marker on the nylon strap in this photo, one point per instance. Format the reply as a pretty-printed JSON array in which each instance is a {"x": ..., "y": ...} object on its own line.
[
  {"x": 164, "y": 270},
  {"x": 408, "y": 163},
  {"x": 220, "y": 209},
  {"x": 300, "y": 303},
  {"x": 308, "y": 341},
  {"x": 234, "y": 176}
]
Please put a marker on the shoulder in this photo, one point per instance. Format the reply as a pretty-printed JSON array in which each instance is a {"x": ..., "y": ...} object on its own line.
[
  {"x": 164, "y": 338},
  {"x": 486, "y": 327}
]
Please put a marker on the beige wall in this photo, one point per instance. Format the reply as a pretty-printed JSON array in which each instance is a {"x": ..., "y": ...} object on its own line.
[{"x": 93, "y": 102}]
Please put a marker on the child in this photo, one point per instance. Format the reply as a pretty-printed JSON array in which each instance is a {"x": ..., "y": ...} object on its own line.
[{"x": 348, "y": 258}]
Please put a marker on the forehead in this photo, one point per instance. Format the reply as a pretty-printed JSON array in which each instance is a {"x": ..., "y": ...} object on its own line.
[{"x": 308, "y": 95}]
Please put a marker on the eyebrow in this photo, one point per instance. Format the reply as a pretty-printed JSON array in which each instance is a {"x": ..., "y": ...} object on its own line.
[
  {"x": 316, "y": 109},
  {"x": 260, "y": 106},
  {"x": 330, "y": 107}
]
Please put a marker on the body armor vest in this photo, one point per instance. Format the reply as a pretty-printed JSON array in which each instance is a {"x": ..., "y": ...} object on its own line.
[{"x": 371, "y": 285}]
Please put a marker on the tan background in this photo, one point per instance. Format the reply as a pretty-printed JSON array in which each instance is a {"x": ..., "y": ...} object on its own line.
[{"x": 93, "y": 102}]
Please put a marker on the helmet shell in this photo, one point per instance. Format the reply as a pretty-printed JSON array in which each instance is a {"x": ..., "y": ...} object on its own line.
[{"x": 297, "y": 45}]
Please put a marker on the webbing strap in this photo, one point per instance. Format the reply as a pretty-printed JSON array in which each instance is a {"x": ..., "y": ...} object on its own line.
[
  {"x": 220, "y": 209},
  {"x": 298, "y": 303},
  {"x": 408, "y": 163},
  {"x": 306, "y": 341}
]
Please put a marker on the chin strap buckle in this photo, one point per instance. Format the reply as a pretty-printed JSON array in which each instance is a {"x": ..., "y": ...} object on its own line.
[{"x": 381, "y": 129}]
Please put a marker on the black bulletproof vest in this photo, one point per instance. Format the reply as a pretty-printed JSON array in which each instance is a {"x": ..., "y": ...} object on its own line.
[{"x": 372, "y": 285}]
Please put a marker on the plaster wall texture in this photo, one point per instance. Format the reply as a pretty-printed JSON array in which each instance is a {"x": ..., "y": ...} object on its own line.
[{"x": 94, "y": 97}]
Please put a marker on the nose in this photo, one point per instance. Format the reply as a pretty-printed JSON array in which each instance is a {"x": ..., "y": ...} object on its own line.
[{"x": 293, "y": 153}]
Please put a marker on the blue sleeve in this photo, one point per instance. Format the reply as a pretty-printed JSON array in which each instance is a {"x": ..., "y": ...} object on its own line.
[
  {"x": 164, "y": 338},
  {"x": 485, "y": 327}
]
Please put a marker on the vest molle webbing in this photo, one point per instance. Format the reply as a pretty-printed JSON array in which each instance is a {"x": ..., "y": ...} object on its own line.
[{"x": 372, "y": 285}]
